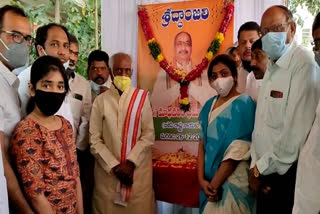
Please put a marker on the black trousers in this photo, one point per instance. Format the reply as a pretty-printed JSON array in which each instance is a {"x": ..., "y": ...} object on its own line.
[
  {"x": 86, "y": 165},
  {"x": 281, "y": 196}
]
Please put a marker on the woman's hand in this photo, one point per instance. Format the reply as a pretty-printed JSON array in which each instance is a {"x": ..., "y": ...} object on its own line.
[{"x": 207, "y": 188}]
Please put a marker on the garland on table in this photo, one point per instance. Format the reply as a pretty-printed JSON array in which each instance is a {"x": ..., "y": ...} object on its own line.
[{"x": 178, "y": 75}]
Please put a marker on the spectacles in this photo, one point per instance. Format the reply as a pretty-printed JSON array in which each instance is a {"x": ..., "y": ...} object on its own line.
[
  {"x": 127, "y": 71},
  {"x": 316, "y": 45},
  {"x": 275, "y": 28},
  {"x": 17, "y": 37}
]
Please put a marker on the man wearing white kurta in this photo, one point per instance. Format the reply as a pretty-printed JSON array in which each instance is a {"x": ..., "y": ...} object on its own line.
[
  {"x": 307, "y": 192},
  {"x": 107, "y": 133},
  {"x": 286, "y": 109}
]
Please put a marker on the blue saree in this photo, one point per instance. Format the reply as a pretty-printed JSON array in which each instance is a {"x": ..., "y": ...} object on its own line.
[{"x": 228, "y": 136}]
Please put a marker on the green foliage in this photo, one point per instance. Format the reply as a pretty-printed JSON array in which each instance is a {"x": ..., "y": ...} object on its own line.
[
  {"x": 313, "y": 7},
  {"x": 154, "y": 49},
  {"x": 78, "y": 20},
  {"x": 214, "y": 46}
]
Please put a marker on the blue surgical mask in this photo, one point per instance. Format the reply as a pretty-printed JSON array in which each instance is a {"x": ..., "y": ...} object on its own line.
[{"x": 274, "y": 44}]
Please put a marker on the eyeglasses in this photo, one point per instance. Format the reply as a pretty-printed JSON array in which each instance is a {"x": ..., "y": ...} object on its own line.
[
  {"x": 17, "y": 37},
  {"x": 316, "y": 45},
  {"x": 127, "y": 71},
  {"x": 275, "y": 28}
]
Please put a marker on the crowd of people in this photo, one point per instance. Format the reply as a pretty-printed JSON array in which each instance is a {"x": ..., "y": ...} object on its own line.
[{"x": 71, "y": 145}]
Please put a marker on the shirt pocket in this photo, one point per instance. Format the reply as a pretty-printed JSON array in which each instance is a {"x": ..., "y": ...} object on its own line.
[{"x": 275, "y": 112}]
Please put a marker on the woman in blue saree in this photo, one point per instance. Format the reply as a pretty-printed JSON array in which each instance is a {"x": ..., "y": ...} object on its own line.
[{"x": 227, "y": 122}]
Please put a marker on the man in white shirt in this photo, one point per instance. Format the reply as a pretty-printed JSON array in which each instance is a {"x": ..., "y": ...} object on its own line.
[
  {"x": 80, "y": 99},
  {"x": 80, "y": 102},
  {"x": 15, "y": 41},
  {"x": 52, "y": 40},
  {"x": 248, "y": 33},
  {"x": 258, "y": 64},
  {"x": 98, "y": 72},
  {"x": 285, "y": 112},
  {"x": 307, "y": 192}
]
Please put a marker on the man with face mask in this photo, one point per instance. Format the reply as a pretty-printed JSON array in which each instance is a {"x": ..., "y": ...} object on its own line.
[
  {"x": 98, "y": 72},
  {"x": 307, "y": 192},
  {"x": 286, "y": 110},
  {"x": 121, "y": 136},
  {"x": 15, "y": 41},
  {"x": 52, "y": 40},
  {"x": 258, "y": 64}
]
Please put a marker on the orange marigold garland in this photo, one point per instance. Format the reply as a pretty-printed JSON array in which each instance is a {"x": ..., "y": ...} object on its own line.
[{"x": 178, "y": 75}]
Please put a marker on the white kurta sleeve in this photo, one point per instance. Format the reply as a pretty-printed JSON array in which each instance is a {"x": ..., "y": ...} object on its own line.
[
  {"x": 299, "y": 116},
  {"x": 99, "y": 150},
  {"x": 146, "y": 139}
]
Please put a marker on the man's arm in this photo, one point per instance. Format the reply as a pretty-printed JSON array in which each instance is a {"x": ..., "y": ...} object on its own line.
[
  {"x": 99, "y": 150},
  {"x": 146, "y": 139},
  {"x": 161, "y": 95},
  {"x": 299, "y": 116},
  {"x": 23, "y": 90},
  {"x": 82, "y": 140}
]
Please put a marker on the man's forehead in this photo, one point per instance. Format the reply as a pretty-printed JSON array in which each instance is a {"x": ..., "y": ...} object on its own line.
[
  {"x": 183, "y": 37},
  {"x": 122, "y": 62},
  {"x": 98, "y": 64},
  {"x": 273, "y": 17},
  {"x": 57, "y": 34},
  {"x": 249, "y": 35},
  {"x": 16, "y": 22},
  {"x": 74, "y": 47}
]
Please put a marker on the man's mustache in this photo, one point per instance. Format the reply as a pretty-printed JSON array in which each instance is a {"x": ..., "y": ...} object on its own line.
[
  {"x": 71, "y": 62},
  {"x": 98, "y": 78},
  {"x": 184, "y": 52}
]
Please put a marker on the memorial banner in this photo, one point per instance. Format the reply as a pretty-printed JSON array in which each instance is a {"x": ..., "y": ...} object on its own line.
[{"x": 183, "y": 31}]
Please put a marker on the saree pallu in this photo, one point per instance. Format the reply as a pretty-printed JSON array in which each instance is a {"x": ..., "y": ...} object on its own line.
[{"x": 226, "y": 134}]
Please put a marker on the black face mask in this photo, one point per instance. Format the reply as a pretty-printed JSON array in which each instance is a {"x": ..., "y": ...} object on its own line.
[
  {"x": 246, "y": 65},
  {"x": 49, "y": 102}
]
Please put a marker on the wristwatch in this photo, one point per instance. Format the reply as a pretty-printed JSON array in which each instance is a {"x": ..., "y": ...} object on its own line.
[{"x": 256, "y": 172}]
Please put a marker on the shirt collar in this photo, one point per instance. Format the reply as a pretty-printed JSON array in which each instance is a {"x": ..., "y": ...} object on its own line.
[
  {"x": 285, "y": 60},
  {"x": 10, "y": 77}
]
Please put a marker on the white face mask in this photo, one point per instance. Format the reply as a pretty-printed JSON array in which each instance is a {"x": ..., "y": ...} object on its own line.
[
  {"x": 96, "y": 87},
  {"x": 223, "y": 85},
  {"x": 66, "y": 64}
]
